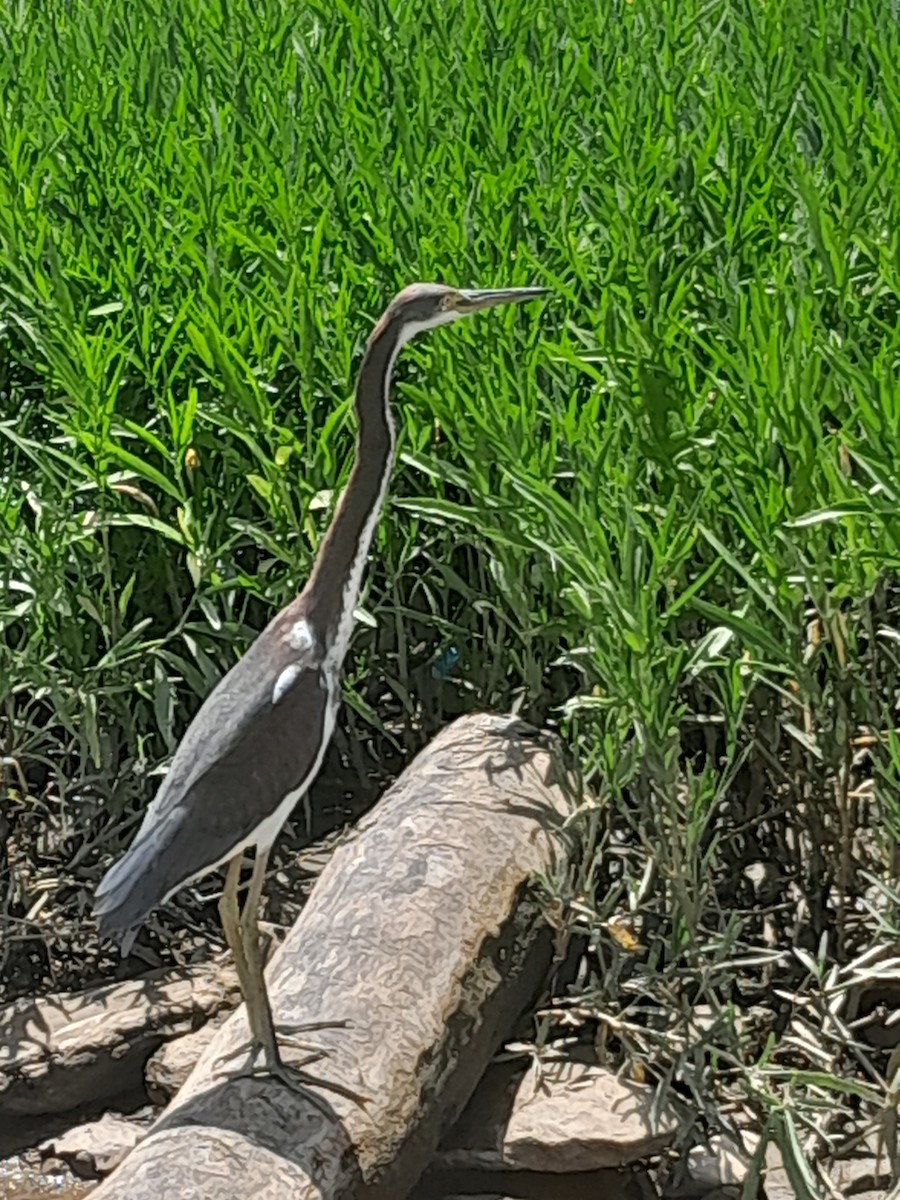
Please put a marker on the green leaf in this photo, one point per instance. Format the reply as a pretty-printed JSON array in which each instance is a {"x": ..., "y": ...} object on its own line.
[
  {"x": 836, "y": 512},
  {"x": 141, "y": 520},
  {"x": 795, "y": 1162},
  {"x": 105, "y": 310}
]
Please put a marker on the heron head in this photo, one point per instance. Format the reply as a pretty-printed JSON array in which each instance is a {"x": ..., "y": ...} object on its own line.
[{"x": 422, "y": 306}]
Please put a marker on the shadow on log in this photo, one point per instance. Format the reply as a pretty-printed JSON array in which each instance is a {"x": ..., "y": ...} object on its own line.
[{"x": 425, "y": 936}]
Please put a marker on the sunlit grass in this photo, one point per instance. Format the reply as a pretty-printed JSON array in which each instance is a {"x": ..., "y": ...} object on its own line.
[{"x": 662, "y": 509}]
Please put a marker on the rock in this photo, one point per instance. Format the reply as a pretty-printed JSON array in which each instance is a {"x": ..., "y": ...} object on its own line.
[
  {"x": 95, "y": 1149},
  {"x": 578, "y": 1117},
  {"x": 421, "y": 943},
  {"x": 58, "y": 1052},
  {"x": 173, "y": 1062},
  {"x": 607, "y": 1184},
  {"x": 565, "y": 1117},
  {"x": 777, "y": 1183},
  {"x": 724, "y": 1163}
]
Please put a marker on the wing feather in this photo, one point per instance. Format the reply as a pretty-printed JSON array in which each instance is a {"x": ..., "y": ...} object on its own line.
[{"x": 243, "y": 753}]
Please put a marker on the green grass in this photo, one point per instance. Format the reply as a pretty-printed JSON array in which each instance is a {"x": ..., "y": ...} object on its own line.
[{"x": 662, "y": 509}]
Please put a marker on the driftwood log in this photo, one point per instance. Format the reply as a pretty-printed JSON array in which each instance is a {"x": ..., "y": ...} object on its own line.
[{"x": 425, "y": 935}]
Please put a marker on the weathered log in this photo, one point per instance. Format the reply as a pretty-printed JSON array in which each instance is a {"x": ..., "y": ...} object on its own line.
[
  {"x": 58, "y": 1051},
  {"x": 425, "y": 935}
]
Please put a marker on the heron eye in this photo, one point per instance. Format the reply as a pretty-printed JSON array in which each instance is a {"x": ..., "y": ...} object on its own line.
[{"x": 447, "y": 302}]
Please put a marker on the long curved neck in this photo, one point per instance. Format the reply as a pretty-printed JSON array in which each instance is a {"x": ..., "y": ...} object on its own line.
[{"x": 333, "y": 588}]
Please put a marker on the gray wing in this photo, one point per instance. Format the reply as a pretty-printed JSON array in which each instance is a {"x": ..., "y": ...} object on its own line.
[{"x": 243, "y": 753}]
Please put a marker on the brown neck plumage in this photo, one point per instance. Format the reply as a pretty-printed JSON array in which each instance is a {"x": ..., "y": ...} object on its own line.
[{"x": 334, "y": 584}]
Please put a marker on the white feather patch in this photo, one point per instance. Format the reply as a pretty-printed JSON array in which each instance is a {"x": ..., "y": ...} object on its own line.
[
  {"x": 300, "y": 637},
  {"x": 286, "y": 681}
]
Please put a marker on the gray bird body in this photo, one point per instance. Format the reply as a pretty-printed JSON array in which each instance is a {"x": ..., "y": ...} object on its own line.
[
  {"x": 259, "y": 738},
  {"x": 247, "y": 753}
]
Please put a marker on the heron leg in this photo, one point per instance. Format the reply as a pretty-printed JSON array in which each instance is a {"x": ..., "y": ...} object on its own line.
[
  {"x": 242, "y": 935},
  {"x": 230, "y": 916},
  {"x": 256, "y": 996},
  {"x": 241, "y": 928},
  {"x": 259, "y": 1010}
]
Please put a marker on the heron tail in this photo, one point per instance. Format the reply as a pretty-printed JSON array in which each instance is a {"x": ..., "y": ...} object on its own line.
[{"x": 128, "y": 893}]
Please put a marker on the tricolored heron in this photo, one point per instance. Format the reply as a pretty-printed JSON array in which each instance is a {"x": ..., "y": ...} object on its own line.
[{"x": 259, "y": 738}]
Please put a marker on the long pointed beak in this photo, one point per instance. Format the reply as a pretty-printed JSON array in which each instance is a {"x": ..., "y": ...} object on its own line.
[{"x": 474, "y": 301}]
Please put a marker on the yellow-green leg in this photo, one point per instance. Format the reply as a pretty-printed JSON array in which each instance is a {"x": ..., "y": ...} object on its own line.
[{"x": 241, "y": 928}]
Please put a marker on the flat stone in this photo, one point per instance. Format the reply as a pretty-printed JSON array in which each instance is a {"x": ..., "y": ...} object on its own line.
[
  {"x": 722, "y": 1164},
  {"x": 577, "y": 1117},
  {"x": 565, "y": 1117},
  {"x": 58, "y": 1052},
  {"x": 173, "y": 1062},
  {"x": 95, "y": 1149}
]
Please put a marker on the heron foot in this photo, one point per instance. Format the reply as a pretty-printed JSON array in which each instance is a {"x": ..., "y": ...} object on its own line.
[
  {"x": 297, "y": 1079},
  {"x": 256, "y": 1050},
  {"x": 259, "y": 1062},
  {"x": 285, "y": 1034},
  {"x": 264, "y": 1064}
]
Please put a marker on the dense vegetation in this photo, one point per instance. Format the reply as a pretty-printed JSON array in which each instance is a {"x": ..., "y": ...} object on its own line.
[{"x": 660, "y": 510}]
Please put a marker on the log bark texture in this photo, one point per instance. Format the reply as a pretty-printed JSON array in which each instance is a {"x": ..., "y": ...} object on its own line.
[{"x": 425, "y": 935}]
